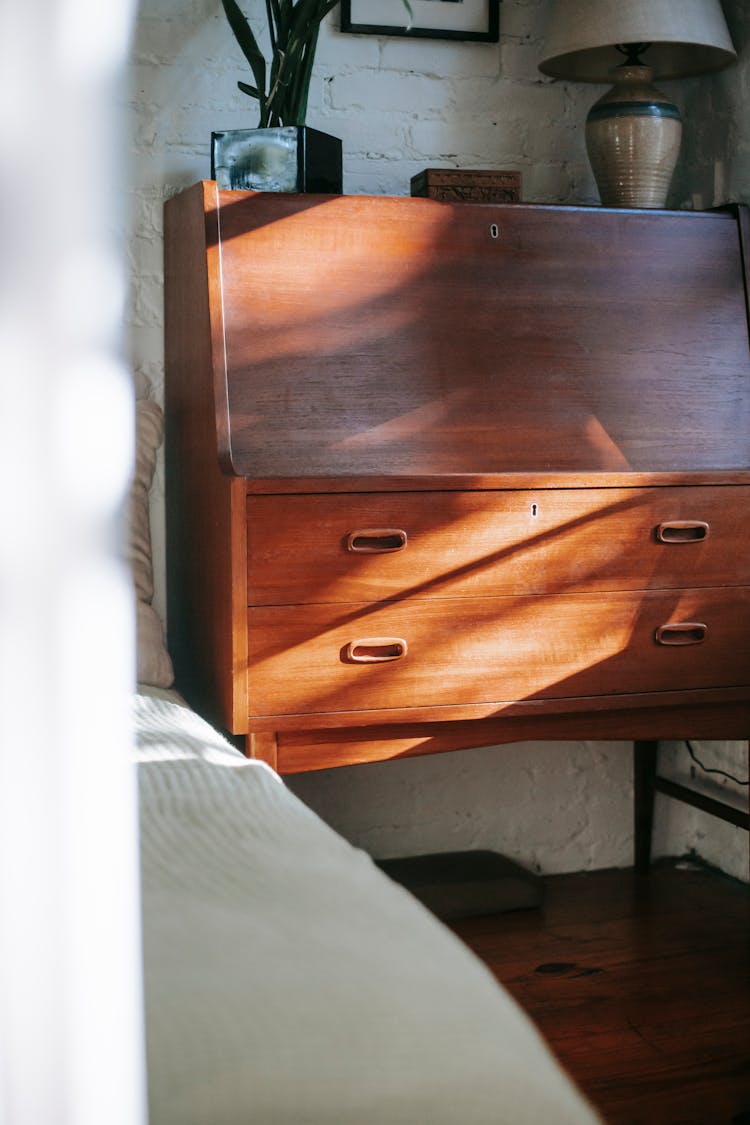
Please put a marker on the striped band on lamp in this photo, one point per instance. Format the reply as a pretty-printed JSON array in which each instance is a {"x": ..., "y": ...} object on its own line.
[{"x": 633, "y": 132}]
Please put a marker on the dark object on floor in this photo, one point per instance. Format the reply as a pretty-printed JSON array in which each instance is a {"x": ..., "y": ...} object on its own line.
[{"x": 464, "y": 884}]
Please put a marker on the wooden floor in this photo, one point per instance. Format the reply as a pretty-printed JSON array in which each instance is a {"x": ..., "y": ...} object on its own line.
[{"x": 640, "y": 984}]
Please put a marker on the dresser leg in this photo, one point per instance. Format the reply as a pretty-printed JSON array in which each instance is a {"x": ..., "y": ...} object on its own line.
[
  {"x": 262, "y": 745},
  {"x": 644, "y": 792}
]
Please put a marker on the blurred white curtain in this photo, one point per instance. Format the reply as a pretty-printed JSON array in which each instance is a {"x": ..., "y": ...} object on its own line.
[{"x": 70, "y": 993}]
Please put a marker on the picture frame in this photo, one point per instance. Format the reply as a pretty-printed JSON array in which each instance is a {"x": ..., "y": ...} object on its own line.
[{"x": 474, "y": 20}]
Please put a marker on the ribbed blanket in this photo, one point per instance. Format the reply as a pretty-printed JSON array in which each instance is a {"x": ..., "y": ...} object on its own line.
[{"x": 287, "y": 980}]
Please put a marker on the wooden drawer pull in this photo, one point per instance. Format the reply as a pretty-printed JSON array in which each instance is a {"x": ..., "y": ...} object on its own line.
[
  {"x": 376, "y": 540},
  {"x": 682, "y": 531},
  {"x": 682, "y": 633},
  {"x": 375, "y": 650}
]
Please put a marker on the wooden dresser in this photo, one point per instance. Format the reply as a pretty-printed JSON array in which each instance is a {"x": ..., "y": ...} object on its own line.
[{"x": 450, "y": 475}]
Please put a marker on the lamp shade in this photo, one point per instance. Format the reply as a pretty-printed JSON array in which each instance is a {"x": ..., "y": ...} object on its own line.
[{"x": 686, "y": 37}]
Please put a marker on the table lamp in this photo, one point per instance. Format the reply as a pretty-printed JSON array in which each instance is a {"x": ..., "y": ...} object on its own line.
[{"x": 633, "y": 132}]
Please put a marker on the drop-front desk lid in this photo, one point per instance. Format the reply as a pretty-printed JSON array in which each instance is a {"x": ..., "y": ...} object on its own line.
[{"x": 405, "y": 338}]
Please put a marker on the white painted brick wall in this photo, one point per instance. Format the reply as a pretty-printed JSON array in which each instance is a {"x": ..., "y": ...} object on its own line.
[{"x": 401, "y": 106}]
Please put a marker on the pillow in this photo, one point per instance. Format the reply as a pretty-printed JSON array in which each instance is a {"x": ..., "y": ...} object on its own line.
[{"x": 154, "y": 665}]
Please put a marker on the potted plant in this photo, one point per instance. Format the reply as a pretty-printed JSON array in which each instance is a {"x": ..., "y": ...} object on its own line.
[{"x": 283, "y": 153}]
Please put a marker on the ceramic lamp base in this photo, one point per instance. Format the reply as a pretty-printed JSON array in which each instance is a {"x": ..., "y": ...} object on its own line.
[{"x": 633, "y": 138}]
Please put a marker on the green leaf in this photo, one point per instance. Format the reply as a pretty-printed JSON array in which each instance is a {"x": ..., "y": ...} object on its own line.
[
  {"x": 247, "y": 43},
  {"x": 290, "y": 82},
  {"x": 298, "y": 94},
  {"x": 286, "y": 14},
  {"x": 253, "y": 91},
  {"x": 272, "y": 15},
  {"x": 293, "y": 27}
]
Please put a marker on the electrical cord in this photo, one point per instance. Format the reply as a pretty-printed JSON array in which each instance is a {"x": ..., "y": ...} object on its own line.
[{"x": 708, "y": 769}]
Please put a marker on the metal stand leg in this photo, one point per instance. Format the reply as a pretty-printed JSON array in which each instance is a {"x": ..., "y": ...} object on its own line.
[{"x": 644, "y": 783}]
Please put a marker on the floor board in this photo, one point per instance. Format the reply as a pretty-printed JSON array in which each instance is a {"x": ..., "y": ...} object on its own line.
[{"x": 641, "y": 984}]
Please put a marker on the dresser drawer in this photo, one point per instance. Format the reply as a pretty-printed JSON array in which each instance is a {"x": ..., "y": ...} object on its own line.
[
  {"x": 319, "y": 659},
  {"x": 371, "y": 546}
]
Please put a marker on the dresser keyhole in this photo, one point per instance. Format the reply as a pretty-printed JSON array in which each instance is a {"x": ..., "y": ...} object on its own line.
[
  {"x": 494, "y": 230},
  {"x": 534, "y": 510}
]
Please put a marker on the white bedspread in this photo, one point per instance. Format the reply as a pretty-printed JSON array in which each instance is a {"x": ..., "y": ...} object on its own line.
[{"x": 288, "y": 980}]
